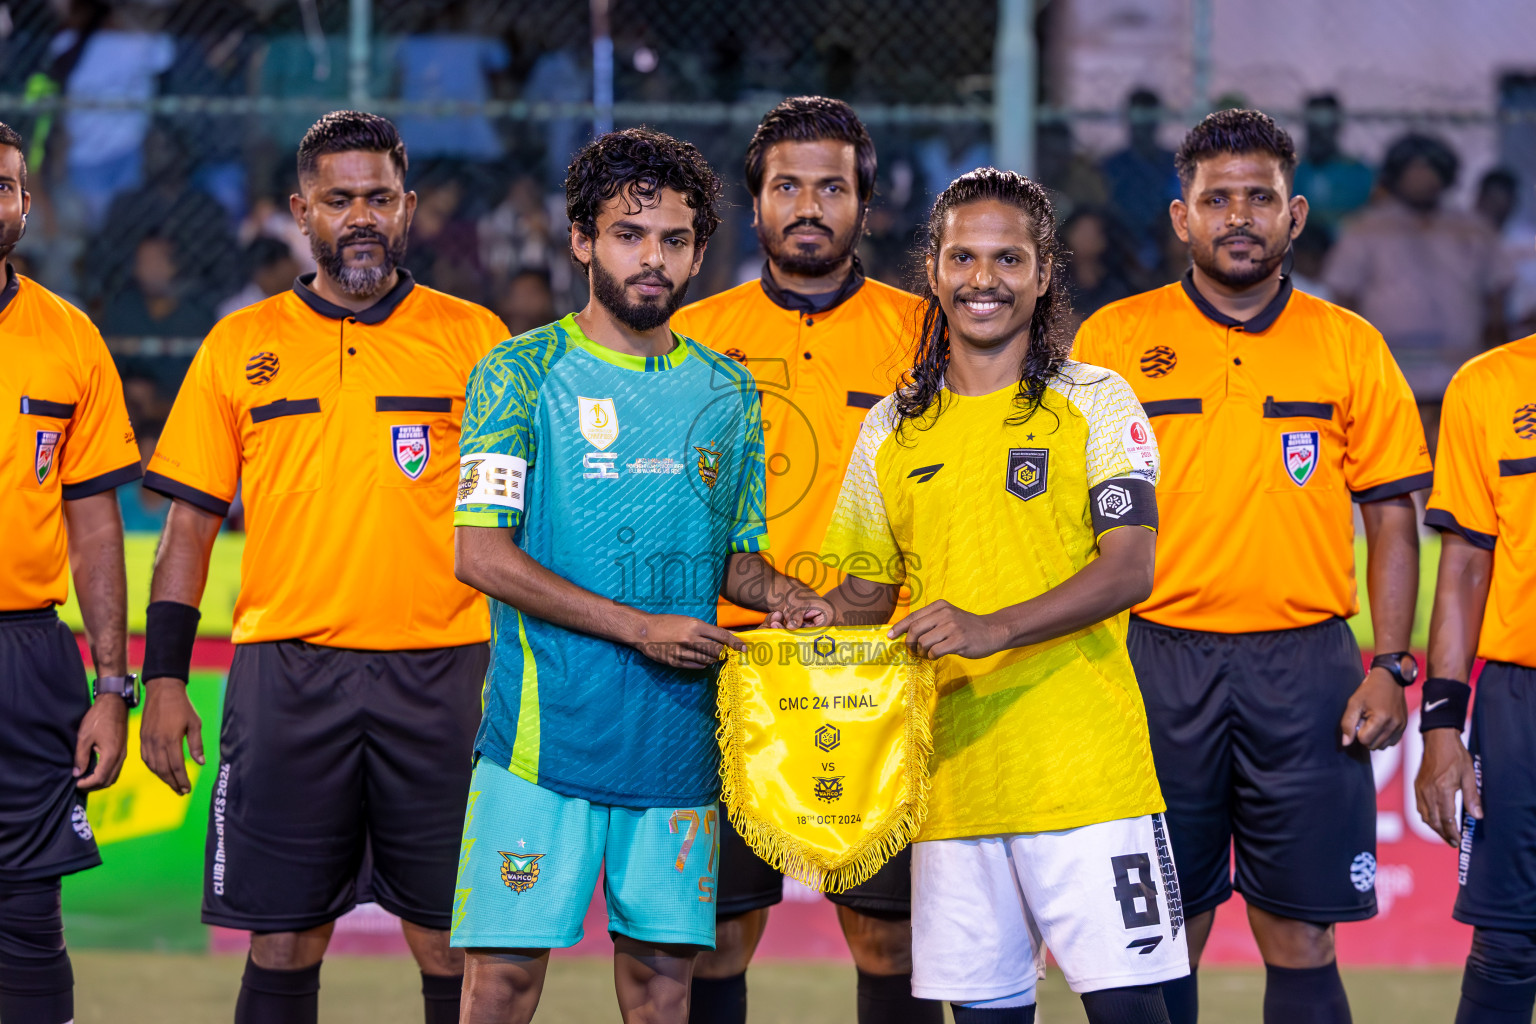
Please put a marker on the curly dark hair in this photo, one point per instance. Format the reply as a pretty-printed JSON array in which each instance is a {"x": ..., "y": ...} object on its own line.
[
  {"x": 11, "y": 137},
  {"x": 1234, "y": 131},
  {"x": 639, "y": 163},
  {"x": 343, "y": 131},
  {"x": 1049, "y": 340},
  {"x": 812, "y": 119}
]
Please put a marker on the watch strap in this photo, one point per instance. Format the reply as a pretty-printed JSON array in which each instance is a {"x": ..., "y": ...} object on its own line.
[
  {"x": 125, "y": 687},
  {"x": 1392, "y": 661}
]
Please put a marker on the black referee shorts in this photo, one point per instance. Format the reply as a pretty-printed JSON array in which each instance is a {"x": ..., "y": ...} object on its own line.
[
  {"x": 1245, "y": 733},
  {"x": 43, "y": 697},
  {"x": 1498, "y": 854},
  {"x": 325, "y": 753},
  {"x": 747, "y": 882}
]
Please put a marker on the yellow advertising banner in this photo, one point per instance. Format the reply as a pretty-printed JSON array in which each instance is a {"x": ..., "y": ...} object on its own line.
[{"x": 825, "y": 738}]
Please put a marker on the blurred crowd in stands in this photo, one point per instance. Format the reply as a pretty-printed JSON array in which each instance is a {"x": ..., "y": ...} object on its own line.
[{"x": 159, "y": 223}]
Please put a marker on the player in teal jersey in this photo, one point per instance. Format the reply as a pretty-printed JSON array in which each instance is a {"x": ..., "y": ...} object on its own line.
[{"x": 611, "y": 487}]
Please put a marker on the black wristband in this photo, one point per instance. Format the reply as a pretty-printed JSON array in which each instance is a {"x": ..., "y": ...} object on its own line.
[
  {"x": 170, "y": 630},
  {"x": 1444, "y": 705}
]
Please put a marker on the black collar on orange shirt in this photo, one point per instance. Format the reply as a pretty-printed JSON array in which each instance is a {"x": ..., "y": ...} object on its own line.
[
  {"x": 12, "y": 286},
  {"x": 374, "y": 314},
  {"x": 1262, "y": 321},
  {"x": 813, "y": 304}
]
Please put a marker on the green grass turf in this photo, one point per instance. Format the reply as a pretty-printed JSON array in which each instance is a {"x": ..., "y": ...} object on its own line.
[{"x": 139, "y": 988}]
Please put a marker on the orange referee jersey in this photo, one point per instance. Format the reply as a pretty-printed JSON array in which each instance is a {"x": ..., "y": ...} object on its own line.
[
  {"x": 64, "y": 435},
  {"x": 818, "y": 373},
  {"x": 1485, "y": 488},
  {"x": 1267, "y": 429},
  {"x": 341, "y": 430}
]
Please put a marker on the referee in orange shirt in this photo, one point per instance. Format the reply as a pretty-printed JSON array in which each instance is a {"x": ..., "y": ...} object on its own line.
[
  {"x": 69, "y": 445},
  {"x": 1274, "y": 412},
  {"x": 353, "y": 697},
  {"x": 824, "y": 344},
  {"x": 1485, "y": 487}
]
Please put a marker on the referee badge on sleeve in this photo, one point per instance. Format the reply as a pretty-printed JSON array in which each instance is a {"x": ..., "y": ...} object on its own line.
[{"x": 1299, "y": 449}]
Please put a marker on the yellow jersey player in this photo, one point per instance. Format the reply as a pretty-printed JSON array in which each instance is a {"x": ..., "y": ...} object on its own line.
[
  {"x": 1485, "y": 485},
  {"x": 1014, "y": 492}
]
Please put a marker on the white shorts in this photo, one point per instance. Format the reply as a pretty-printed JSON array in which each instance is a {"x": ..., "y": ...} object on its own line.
[{"x": 1103, "y": 897}]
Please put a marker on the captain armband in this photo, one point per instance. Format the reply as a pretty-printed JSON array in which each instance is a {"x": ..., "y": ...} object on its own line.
[
  {"x": 486, "y": 478},
  {"x": 1444, "y": 704},
  {"x": 1123, "y": 501}
]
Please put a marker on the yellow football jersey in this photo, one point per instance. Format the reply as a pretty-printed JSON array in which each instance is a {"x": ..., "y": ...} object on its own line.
[{"x": 971, "y": 508}]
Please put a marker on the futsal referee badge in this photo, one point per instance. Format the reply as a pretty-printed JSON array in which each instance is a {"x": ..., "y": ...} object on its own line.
[
  {"x": 1299, "y": 449},
  {"x": 47, "y": 446},
  {"x": 412, "y": 448}
]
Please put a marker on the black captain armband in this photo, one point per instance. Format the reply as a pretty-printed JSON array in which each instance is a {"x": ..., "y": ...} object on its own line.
[
  {"x": 1123, "y": 501},
  {"x": 1444, "y": 705},
  {"x": 170, "y": 631}
]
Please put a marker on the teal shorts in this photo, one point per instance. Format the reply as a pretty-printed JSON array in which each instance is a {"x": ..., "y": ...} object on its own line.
[{"x": 531, "y": 859}]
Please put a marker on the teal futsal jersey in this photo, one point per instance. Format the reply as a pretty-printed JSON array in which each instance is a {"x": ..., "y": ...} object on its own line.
[{"x": 633, "y": 478}]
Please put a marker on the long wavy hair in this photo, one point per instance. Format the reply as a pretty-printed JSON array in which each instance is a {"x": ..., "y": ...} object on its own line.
[{"x": 1049, "y": 338}]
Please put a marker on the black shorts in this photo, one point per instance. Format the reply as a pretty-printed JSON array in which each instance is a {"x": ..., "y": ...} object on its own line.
[
  {"x": 1497, "y": 870},
  {"x": 747, "y": 882},
  {"x": 1245, "y": 733},
  {"x": 325, "y": 754},
  {"x": 43, "y": 697}
]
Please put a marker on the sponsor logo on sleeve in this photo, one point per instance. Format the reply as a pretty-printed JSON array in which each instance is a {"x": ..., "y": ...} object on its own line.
[
  {"x": 47, "y": 448},
  {"x": 486, "y": 478},
  {"x": 599, "y": 421},
  {"x": 1138, "y": 444},
  {"x": 1299, "y": 450},
  {"x": 412, "y": 448}
]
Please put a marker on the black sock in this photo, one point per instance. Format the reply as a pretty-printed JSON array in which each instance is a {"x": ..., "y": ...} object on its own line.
[
  {"x": 1305, "y": 995},
  {"x": 888, "y": 999},
  {"x": 718, "y": 1000},
  {"x": 1130, "y": 1004},
  {"x": 1182, "y": 997},
  {"x": 1489, "y": 1002},
  {"x": 993, "y": 1014},
  {"x": 441, "y": 994},
  {"x": 37, "y": 991},
  {"x": 278, "y": 997}
]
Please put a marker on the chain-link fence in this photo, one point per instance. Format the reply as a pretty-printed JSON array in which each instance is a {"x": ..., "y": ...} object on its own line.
[{"x": 161, "y": 134}]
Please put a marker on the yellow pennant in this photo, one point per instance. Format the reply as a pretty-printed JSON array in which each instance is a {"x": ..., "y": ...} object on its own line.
[{"x": 825, "y": 738}]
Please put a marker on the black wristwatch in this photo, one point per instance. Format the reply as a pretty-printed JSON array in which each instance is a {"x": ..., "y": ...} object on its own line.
[
  {"x": 126, "y": 687},
  {"x": 1402, "y": 665}
]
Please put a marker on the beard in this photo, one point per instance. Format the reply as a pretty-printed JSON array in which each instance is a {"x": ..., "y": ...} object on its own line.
[
  {"x": 645, "y": 315},
  {"x": 792, "y": 259},
  {"x": 357, "y": 282},
  {"x": 1239, "y": 274},
  {"x": 10, "y": 235}
]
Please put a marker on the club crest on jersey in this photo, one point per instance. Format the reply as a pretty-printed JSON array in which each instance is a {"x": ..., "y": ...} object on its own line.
[
  {"x": 47, "y": 447},
  {"x": 1299, "y": 451},
  {"x": 709, "y": 466},
  {"x": 412, "y": 448},
  {"x": 599, "y": 421},
  {"x": 1027, "y": 470},
  {"x": 519, "y": 871}
]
